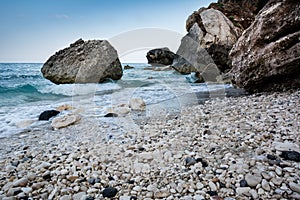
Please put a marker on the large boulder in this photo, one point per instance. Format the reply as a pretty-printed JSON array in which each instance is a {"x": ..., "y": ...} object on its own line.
[
  {"x": 160, "y": 56},
  {"x": 215, "y": 27},
  {"x": 91, "y": 61},
  {"x": 267, "y": 56}
]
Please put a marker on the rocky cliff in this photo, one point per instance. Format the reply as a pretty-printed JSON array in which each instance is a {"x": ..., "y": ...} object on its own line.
[{"x": 267, "y": 56}]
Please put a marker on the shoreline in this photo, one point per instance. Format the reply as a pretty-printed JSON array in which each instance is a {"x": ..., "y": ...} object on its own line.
[{"x": 206, "y": 152}]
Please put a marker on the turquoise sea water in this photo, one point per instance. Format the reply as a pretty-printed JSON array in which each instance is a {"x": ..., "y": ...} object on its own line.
[{"x": 24, "y": 93}]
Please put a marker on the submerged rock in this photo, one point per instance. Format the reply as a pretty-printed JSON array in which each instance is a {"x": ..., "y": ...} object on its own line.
[
  {"x": 267, "y": 56},
  {"x": 91, "y": 61},
  {"x": 46, "y": 115}
]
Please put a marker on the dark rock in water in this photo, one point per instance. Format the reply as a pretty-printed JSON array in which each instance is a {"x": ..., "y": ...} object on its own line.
[
  {"x": 160, "y": 56},
  {"x": 195, "y": 78},
  {"x": 109, "y": 192},
  {"x": 243, "y": 183},
  {"x": 46, "y": 115},
  {"x": 128, "y": 67},
  {"x": 291, "y": 155},
  {"x": 267, "y": 56},
  {"x": 111, "y": 115},
  {"x": 92, "y": 61}
]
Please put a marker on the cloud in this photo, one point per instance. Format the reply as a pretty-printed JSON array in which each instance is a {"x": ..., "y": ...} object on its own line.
[{"x": 61, "y": 16}]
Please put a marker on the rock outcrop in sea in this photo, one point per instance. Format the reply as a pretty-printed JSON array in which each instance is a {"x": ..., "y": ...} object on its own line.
[
  {"x": 267, "y": 56},
  {"x": 160, "y": 56},
  {"x": 91, "y": 61}
]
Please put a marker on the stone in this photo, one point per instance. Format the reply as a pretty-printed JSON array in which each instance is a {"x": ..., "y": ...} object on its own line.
[
  {"x": 92, "y": 61},
  {"x": 64, "y": 107},
  {"x": 253, "y": 180},
  {"x": 160, "y": 56},
  {"x": 253, "y": 193},
  {"x": 128, "y": 67},
  {"x": 286, "y": 146},
  {"x": 66, "y": 197},
  {"x": 242, "y": 190},
  {"x": 265, "y": 185},
  {"x": 109, "y": 192},
  {"x": 266, "y": 57},
  {"x": 291, "y": 155},
  {"x": 190, "y": 161},
  {"x": 137, "y": 104},
  {"x": 243, "y": 183},
  {"x": 111, "y": 115},
  {"x": 79, "y": 196},
  {"x": 212, "y": 186},
  {"x": 20, "y": 182},
  {"x": 46, "y": 115},
  {"x": 295, "y": 187},
  {"x": 64, "y": 121}
]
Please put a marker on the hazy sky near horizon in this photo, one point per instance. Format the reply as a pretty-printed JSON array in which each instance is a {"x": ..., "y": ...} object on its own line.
[{"x": 33, "y": 30}]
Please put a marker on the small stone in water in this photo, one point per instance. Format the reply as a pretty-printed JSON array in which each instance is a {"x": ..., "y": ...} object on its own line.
[{"x": 109, "y": 192}]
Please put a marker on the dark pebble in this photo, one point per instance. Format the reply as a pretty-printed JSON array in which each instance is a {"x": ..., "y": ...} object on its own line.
[
  {"x": 15, "y": 163},
  {"x": 111, "y": 115},
  {"x": 207, "y": 132},
  {"x": 47, "y": 176},
  {"x": 109, "y": 192},
  {"x": 243, "y": 183},
  {"x": 90, "y": 198},
  {"x": 131, "y": 181},
  {"x": 133, "y": 198},
  {"x": 204, "y": 163},
  {"x": 190, "y": 161},
  {"x": 97, "y": 180},
  {"x": 111, "y": 178},
  {"x": 271, "y": 157},
  {"x": 141, "y": 149},
  {"x": 46, "y": 115},
  {"x": 291, "y": 155},
  {"x": 212, "y": 193},
  {"x": 91, "y": 181}
]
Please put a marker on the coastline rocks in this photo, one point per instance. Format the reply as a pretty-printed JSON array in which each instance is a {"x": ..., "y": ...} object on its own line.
[
  {"x": 91, "y": 61},
  {"x": 46, "y": 115},
  {"x": 267, "y": 56},
  {"x": 128, "y": 67},
  {"x": 215, "y": 28},
  {"x": 64, "y": 121},
  {"x": 160, "y": 56}
]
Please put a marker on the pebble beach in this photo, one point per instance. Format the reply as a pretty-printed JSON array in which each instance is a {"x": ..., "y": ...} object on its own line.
[{"x": 228, "y": 148}]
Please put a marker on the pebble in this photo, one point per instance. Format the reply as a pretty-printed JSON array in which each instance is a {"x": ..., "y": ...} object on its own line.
[
  {"x": 160, "y": 159},
  {"x": 265, "y": 185},
  {"x": 253, "y": 180},
  {"x": 295, "y": 187},
  {"x": 109, "y": 192}
]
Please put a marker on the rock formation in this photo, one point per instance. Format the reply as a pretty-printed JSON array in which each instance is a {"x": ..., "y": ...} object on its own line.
[
  {"x": 267, "y": 55},
  {"x": 91, "y": 61},
  {"x": 160, "y": 56}
]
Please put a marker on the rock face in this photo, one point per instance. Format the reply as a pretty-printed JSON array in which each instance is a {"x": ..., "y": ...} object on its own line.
[
  {"x": 267, "y": 56},
  {"x": 160, "y": 56},
  {"x": 91, "y": 61},
  {"x": 215, "y": 27}
]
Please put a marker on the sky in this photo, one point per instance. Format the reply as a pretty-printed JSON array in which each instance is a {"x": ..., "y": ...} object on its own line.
[{"x": 33, "y": 30}]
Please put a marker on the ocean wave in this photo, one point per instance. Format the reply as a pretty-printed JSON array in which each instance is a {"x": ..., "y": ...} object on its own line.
[{"x": 19, "y": 76}]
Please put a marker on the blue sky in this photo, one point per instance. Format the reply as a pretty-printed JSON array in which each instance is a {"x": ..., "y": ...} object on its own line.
[{"x": 32, "y": 30}]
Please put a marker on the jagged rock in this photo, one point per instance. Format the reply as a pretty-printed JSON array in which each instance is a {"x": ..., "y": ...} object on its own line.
[
  {"x": 220, "y": 55},
  {"x": 241, "y": 12},
  {"x": 160, "y": 56},
  {"x": 46, "y": 115},
  {"x": 91, "y": 61},
  {"x": 215, "y": 27},
  {"x": 267, "y": 56}
]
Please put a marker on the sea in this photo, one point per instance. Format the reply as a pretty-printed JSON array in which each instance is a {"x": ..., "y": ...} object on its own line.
[{"x": 25, "y": 94}]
